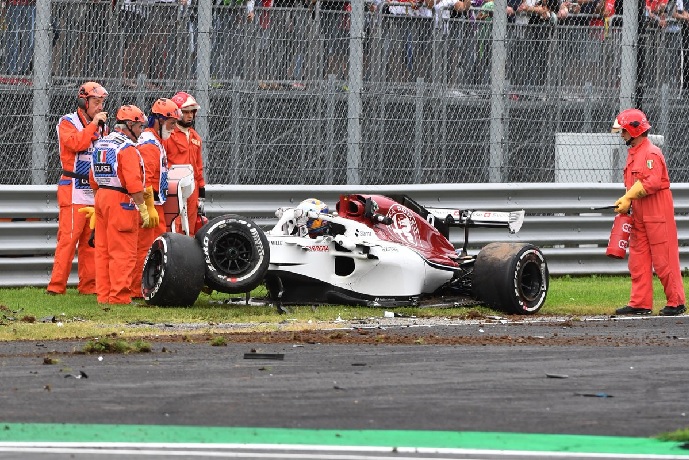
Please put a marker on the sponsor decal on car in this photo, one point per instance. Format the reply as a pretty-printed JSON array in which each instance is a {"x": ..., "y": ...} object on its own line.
[
  {"x": 317, "y": 248},
  {"x": 404, "y": 224}
]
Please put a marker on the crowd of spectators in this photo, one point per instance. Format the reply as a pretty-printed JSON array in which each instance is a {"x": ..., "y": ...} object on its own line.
[{"x": 272, "y": 40}]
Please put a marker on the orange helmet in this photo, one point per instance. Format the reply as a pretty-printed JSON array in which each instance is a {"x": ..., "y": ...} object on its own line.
[
  {"x": 92, "y": 89},
  {"x": 166, "y": 108},
  {"x": 130, "y": 113},
  {"x": 185, "y": 101},
  {"x": 631, "y": 120}
]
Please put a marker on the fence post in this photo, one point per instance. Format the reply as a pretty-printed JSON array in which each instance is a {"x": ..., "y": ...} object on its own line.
[
  {"x": 356, "y": 71},
  {"x": 630, "y": 35},
  {"x": 497, "y": 90},
  {"x": 203, "y": 71},
  {"x": 664, "y": 122},
  {"x": 418, "y": 131},
  {"x": 41, "y": 101},
  {"x": 235, "y": 130},
  {"x": 588, "y": 115},
  {"x": 329, "y": 129}
]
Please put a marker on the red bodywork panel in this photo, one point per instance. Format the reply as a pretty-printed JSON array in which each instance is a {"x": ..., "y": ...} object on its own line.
[{"x": 407, "y": 228}]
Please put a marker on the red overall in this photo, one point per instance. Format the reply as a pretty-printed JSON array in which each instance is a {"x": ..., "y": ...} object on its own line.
[
  {"x": 75, "y": 137},
  {"x": 155, "y": 166},
  {"x": 653, "y": 242},
  {"x": 183, "y": 149}
]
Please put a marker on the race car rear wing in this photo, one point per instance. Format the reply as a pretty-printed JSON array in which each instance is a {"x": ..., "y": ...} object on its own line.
[{"x": 467, "y": 218}]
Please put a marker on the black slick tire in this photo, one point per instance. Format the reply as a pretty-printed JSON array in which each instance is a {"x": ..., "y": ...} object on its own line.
[
  {"x": 173, "y": 271},
  {"x": 236, "y": 253},
  {"x": 512, "y": 277}
]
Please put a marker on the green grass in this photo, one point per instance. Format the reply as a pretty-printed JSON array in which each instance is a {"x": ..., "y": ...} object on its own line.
[
  {"x": 681, "y": 435},
  {"x": 30, "y": 314},
  {"x": 117, "y": 346}
]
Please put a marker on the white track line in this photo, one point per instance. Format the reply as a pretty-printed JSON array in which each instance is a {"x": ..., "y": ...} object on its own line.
[{"x": 326, "y": 451}]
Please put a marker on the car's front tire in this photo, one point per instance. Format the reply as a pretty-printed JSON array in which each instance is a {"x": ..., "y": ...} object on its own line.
[{"x": 236, "y": 253}]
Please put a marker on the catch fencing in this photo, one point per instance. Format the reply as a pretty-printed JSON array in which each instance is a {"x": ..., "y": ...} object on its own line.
[
  {"x": 357, "y": 93},
  {"x": 558, "y": 219}
]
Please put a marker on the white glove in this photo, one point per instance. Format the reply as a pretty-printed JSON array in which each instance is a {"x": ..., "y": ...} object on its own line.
[{"x": 202, "y": 207}]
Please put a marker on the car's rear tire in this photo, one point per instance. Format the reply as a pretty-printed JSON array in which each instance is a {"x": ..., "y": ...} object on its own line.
[
  {"x": 512, "y": 277},
  {"x": 173, "y": 271},
  {"x": 236, "y": 253}
]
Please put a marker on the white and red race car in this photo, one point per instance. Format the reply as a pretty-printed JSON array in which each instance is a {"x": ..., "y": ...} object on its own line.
[{"x": 378, "y": 250}]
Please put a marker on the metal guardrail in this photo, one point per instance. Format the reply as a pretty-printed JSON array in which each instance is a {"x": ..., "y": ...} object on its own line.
[{"x": 559, "y": 220}]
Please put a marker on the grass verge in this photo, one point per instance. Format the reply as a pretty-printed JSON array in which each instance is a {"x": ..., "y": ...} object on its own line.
[{"x": 30, "y": 314}]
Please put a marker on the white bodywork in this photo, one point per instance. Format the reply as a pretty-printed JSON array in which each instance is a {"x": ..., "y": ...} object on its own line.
[
  {"x": 180, "y": 183},
  {"x": 377, "y": 264}
]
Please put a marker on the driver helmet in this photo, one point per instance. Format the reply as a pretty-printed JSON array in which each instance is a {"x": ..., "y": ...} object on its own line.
[
  {"x": 633, "y": 121},
  {"x": 315, "y": 226}
]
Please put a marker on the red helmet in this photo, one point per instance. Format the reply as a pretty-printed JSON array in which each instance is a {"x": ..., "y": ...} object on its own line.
[
  {"x": 166, "y": 108},
  {"x": 633, "y": 121},
  {"x": 130, "y": 113},
  {"x": 185, "y": 101},
  {"x": 92, "y": 89}
]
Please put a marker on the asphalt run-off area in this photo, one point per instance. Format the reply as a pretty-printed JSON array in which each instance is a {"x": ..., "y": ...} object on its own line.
[{"x": 383, "y": 388}]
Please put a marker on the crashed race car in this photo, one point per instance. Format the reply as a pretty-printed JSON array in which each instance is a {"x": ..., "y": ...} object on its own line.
[{"x": 373, "y": 250}]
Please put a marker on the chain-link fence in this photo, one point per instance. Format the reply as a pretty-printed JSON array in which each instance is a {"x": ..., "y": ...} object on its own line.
[{"x": 333, "y": 92}]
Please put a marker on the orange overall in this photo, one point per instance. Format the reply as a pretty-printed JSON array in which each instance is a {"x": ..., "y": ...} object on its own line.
[
  {"x": 184, "y": 147},
  {"x": 118, "y": 172},
  {"x": 653, "y": 242},
  {"x": 155, "y": 165},
  {"x": 75, "y": 137}
]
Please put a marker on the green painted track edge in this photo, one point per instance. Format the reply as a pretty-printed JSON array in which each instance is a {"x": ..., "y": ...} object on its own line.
[{"x": 55, "y": 433}]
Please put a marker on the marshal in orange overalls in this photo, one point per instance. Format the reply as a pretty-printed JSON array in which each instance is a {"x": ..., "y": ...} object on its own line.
[
  {"x": 184, "y": 147},
  {"x": 76, "y": 135},
  {"x": 118, "y": 171},
  {"x": 653, "y": 242}
]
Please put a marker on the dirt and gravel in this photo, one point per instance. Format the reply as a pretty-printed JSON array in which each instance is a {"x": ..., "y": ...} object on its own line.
[{"x": 541, "y": 330}]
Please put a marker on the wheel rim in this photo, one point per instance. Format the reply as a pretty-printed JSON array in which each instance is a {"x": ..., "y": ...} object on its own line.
[
  {"x": 233, "y": 253},
  {"x": 531, "y": 281},
  {"x": 153, "y": 269}
]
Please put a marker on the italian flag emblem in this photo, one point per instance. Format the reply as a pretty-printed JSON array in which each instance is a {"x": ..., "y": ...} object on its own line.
[
  {"x": 103, "y": 156},
  {"x": 649, "y": 164}
]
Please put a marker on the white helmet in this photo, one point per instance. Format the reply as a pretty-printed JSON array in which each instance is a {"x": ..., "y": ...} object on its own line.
[
  {"x": 315, "y": 226},
  {"x": 185, "y": 101}
]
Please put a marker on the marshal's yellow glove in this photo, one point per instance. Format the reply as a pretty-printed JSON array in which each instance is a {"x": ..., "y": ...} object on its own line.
[
  {"x": 636, "y": 191},
  {"x": 143, "y": 211},
  {"x": 90, "y": 213},
  {"x": 150, "y": 204}
]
